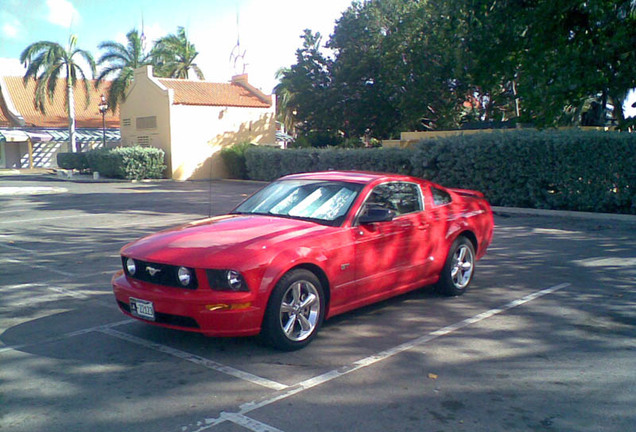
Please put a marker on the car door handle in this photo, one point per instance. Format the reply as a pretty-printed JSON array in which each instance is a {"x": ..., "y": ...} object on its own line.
[{"x": 423, "y": 226}]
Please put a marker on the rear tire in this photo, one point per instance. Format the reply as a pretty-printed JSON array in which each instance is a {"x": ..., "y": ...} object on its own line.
[
  {"x": 459, "y": 268},
  {"x": 295, "y": 311}
]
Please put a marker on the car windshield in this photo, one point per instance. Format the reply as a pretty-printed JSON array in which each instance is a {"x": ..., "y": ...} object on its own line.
[{"x": 325, "y": 202}]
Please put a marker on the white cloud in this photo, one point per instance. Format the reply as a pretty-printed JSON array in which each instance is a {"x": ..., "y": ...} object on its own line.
[
  {"x": 266, "y": 50},
  {"x": 11, "y": 67},
  {"x": 9, "y": 30},
  {"x": 62, "y": 13},
  {"x": 10, "y": 27}
]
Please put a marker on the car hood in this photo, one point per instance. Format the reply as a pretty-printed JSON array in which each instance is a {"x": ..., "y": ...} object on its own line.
[{"x": 220, "y": 240}]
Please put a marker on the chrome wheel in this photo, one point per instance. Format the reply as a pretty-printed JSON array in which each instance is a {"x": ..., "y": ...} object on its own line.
[
  {"x": 459, "y": 268},
  {"x": 299, "y": 310},
  {"x": 463, "y": 264},
  {"x": 295, "y": 311}
]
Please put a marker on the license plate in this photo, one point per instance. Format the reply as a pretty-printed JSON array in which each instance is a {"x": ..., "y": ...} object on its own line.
[{"x": 142, "y": 309}]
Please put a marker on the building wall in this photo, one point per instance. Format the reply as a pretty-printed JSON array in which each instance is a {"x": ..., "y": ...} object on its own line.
[
  {"x": 145, "y": 115},
  {"x": 190, "y": 135},
  {"x": 200, "y": 132}
]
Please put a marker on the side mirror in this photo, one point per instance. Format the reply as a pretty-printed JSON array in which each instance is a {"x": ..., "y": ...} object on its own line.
[{"x": 376, "y": 214}]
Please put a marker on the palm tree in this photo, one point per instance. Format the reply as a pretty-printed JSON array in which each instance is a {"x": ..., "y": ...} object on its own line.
[
  {"x": 46, "y": 62},
  {"x": 285, "y": 101},
  {"x": 174, "y": 56},
  {"x": 122, "y": 61}
]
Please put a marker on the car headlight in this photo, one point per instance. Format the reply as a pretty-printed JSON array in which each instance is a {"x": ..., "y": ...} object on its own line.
[
  {"x": 184, "y": 275},
  {"x": 131, "y": 267},
  {"x": 234, "y": 280}
]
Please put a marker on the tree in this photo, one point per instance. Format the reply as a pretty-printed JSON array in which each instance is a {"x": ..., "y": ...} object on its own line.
[
  {"x": 435, "y": 64},
  {"x": 307, "y": 88},
  {"x": 174, "y": 56},
  {"x": 46, "y": 62},
  {"x": 558, "y": 54},
  {"x": 121, "y": 61}
]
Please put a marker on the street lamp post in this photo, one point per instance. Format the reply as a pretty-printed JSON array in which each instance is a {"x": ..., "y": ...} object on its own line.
[{"x": 103, "y": 107}]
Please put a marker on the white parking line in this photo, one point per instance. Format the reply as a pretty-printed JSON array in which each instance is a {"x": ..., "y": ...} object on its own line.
[
  {"x": 246, "y": 408},
  {"x": 66, "y": 335},
  {"x": 193, "y": 358},
  {"x": 249, "y": 423},
  {"x": 23, "y": 221}
]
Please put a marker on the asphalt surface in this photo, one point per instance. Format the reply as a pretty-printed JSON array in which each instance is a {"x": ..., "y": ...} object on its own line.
[{"x": 543, "y": 341}]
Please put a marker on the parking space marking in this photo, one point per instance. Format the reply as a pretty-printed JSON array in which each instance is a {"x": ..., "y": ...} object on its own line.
[
  {"x": 23, "y": 221},
  {"x": 66, "y": 335},
  {"x": 193, "y": 358},
  {"x": 310, "y": 383},
  {"x": 249, "y": 423}
]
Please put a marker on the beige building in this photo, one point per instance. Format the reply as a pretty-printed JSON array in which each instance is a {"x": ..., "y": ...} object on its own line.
[
  {"x": 31, "y": 138},
  {"x": 193, "y": 120}
]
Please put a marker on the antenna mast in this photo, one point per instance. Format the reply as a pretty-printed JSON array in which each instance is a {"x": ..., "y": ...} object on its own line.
[{"x": 237, "y": 57}]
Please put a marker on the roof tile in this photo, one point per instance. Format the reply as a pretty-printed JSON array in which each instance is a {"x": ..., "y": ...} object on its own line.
[
  {"x": 187, "y": 92},
  {"x": 85, "y": 117}
]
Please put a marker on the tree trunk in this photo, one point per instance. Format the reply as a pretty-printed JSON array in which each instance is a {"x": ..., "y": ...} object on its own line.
[{"x": 71, "y": 112}]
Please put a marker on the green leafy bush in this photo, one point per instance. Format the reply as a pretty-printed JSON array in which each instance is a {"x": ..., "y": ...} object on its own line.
[
  {"x": 234, "y": 159},
  {"x": 568, "y": 170},
  {"x": 132, "y": 163},
  {"x": 72, "y": 161}
]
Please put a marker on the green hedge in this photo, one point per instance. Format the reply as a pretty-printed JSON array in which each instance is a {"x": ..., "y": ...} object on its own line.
[
  {"x": 132, "y": 163},
  {"x": 72, "y": 161},
  {"x": 234, "y": 159},
  {"x": 566, "y": 170}
]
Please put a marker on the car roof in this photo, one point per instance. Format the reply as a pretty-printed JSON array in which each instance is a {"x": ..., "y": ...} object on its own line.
[{"x": 347, "y": 176}]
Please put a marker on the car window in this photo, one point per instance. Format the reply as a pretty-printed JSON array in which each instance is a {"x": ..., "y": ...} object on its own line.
[
  {"x": 322, "y": 201},
  {"x": 400, "y": 197},
  {"x": 440, "y": 197}
]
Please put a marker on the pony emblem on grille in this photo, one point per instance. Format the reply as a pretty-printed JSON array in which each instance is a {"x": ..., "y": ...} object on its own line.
[{"x": 152, "y": 271}]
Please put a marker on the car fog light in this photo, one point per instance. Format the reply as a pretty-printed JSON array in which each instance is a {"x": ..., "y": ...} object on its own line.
[
  {"x": 184, "y": 276},
  {"x": 131, "y": 267},
  {"x": 234, "y": 280}
]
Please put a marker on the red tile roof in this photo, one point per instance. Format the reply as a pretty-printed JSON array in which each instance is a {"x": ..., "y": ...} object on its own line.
[
  {"x": 85, "y": 117},
  {"x": 187, "y": 92},
  {"x": 4, "y": 121}
]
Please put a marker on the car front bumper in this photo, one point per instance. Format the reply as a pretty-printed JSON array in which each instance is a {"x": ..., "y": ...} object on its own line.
[{"x": 211, "y": 313}]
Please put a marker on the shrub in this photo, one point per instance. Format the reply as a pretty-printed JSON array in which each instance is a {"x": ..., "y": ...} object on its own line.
[
  {"x": 132, "y": 163},
  {"x": 568, "y": 170},
  {"x": 234, "y": 159},
  {"x": 72, "y": 161}
]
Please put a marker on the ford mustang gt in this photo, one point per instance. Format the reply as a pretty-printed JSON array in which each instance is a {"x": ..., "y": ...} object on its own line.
[{"x": 303, "y": 249}]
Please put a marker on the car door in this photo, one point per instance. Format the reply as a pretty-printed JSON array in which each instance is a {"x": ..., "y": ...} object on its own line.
[{"x": 388, "y": 255}]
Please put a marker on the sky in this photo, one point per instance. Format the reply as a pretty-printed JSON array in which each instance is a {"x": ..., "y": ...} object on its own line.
[{"x": 268, "y": 30}]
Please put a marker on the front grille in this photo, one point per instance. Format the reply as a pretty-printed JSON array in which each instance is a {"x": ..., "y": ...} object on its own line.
[
  {"x": 159, "y": 274},
  {"x": 168, "y": 319}
]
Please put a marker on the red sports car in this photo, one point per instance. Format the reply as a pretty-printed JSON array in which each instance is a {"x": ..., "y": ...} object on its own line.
[{"x": 303, "y": 249}]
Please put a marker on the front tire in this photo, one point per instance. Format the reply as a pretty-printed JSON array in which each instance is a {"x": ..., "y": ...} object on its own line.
[
  {"x": 459, "y": 268},
  {"x": 295, "y": 311}
]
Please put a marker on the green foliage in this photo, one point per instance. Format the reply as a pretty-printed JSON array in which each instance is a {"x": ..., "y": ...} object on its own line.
[
  {"x": 574, "y": 170},
  {"x": 174, "y": 56},
  {"x": 46, "y": 63},
  {"x": 132, "y": 163},
  {"x": 72, "y": 161},
  {"x": 571, "y": 170},
  {"x": 120, "y": 62},
  {"x": 401, "y": 65},
  {"x": 234, "y": 159}
]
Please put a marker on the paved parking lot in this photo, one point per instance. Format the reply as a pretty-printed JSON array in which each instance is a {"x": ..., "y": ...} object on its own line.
[{"x": 544, "y": 340}]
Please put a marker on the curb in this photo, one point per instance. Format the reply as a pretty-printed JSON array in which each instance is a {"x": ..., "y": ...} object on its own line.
[
  {"x": 59, "y": 175},
  {"x": 503, "y": 211}
]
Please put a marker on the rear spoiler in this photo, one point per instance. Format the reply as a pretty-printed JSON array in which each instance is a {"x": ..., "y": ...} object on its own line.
[{"x": 467, "y": 192}]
